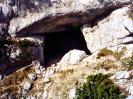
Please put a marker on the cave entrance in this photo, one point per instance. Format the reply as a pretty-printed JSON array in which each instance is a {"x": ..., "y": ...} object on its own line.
[{"x": 59, "y": 43}]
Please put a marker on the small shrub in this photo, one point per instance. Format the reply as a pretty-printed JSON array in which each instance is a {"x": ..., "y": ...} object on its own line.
[
  {"x": 107, "y": 64},
  {"x": 98, "y": 87},
  {"x": 128, "y": 63},
  {"x": 107, "y": 52},
  {"x": 104, "y": 52},
  {"x": 25, "y": 43},
  {"x": 26, "y": 50}
]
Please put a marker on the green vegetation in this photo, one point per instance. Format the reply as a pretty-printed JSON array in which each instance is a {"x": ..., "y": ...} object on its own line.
[
  {"x": 106, "y": 52},
  {"x": 128, "y": 63},
  {"x": 25, "y": 43},
  {"x": 26, "y": 51},
  {"x": 98, "y": 87}
]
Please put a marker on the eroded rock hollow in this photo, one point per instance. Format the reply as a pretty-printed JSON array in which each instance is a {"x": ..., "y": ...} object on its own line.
[{"x": 48, "y": 46}]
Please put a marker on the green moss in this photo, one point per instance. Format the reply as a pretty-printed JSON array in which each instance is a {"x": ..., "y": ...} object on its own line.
[{"x": 98, "y": 87}]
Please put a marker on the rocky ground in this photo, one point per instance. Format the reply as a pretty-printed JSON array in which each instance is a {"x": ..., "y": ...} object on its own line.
[{"x": 107, "y": 27}]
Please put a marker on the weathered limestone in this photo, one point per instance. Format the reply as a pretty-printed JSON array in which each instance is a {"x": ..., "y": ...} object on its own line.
[
  {"x": 56, "y": 15},
  {"x": 73, "y": 57},
  {"x": 113, "y": 32}
]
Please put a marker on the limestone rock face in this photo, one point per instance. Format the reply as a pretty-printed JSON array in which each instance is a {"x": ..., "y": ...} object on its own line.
[
  {"x": 42, "y": 16},
  {"x": 73, "y": 57},
  {"x": 114, "y": 32}
]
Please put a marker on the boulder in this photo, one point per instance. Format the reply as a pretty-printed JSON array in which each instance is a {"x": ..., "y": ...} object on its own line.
[
  {"x": 122, "y": 75},
  {"x": 113, "y": 32},
  {"x": 49, "y": 72},
  {"x": 38, "y": 71},
  {"x": 58, "y": 15},
  {"x": 27, "y": 86},
  {"x": 73, "y": 57},
  {"x": 45, "y": 94},
  {"x": 72, "y": 93},
  {"x": 32, "y": 76},
  {"x": 36, "y": 64}
]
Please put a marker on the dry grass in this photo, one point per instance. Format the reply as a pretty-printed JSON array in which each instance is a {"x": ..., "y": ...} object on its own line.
[
  {"x": 107, "y": 52},
  {"x": 12, "y": 82},
  {"x": 130, "y": 12},
  {"x": 64, "y": 73},
  {"x": 12, "y": 89},
  {"x": 107, "y": 64}
]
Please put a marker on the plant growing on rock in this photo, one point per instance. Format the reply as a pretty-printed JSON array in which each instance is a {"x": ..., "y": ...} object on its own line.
[
  {"x": 128, "y": 63},
  {"x": 25, "y": 43},
  {"x": 12, "y": 83},
  {"x": 107, "y": 52},
  {"x": 26, "y": 51},
  {"x": 107, "y": 64},
  {"x": 98, "y": 86}
]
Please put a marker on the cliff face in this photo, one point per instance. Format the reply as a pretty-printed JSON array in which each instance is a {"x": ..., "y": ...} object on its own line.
[
  {"x": 76, "y": 38},
  {"x": 40, "y": 16}
]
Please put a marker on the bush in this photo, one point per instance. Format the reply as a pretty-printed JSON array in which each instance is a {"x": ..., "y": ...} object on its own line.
[
  {"x": 25, "y": 43},
  {"x": 98, "y": 87}
]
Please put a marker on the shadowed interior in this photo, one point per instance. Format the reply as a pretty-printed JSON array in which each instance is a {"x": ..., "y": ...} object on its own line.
[{"x": 59, "y": 43}]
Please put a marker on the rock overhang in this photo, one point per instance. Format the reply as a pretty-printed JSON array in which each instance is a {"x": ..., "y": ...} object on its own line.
[{"x": 59, "y": 17}]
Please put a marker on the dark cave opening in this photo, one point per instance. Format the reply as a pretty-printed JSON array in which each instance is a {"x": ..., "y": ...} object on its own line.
[
  {"x": 59, "y": 43},
  {"x": 56, "y": 45}
]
